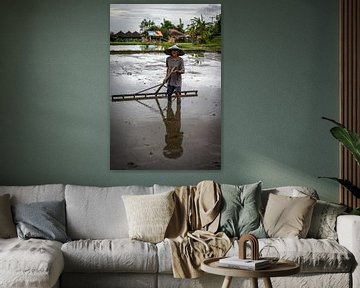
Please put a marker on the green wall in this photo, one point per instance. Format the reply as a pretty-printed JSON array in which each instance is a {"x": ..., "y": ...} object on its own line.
[{"x": 280, "y": 75}]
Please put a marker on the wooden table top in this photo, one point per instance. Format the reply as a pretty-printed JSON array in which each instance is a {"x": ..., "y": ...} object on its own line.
[{"x": 281, "y": 268}]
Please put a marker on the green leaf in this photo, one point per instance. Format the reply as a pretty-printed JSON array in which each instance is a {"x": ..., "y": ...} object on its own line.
[
  {"x": 333, "y": 121},
  {"x": 355, "y": 211},
  {"x": 347, "y": 184},
  {"x": 348, "y": 138}
]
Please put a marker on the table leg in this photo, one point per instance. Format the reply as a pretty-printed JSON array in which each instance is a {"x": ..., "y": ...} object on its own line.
[
  {"x": 227, "y": 282},
  {"x": 254, "y": 282},
  {"x": 267, "y": 283}
]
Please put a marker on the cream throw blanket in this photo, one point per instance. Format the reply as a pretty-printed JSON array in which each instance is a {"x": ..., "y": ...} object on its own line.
[{"x": 191, "y": 231}]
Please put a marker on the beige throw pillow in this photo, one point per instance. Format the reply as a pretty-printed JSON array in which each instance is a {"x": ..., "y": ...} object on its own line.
[
  {"x": 7, "y": 226},
  {"x": 288, "y": 217},
  {"x": 148, "y": 215}
]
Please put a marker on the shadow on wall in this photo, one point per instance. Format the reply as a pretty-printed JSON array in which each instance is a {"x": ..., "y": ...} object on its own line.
[{"x": 274, "y": 173}]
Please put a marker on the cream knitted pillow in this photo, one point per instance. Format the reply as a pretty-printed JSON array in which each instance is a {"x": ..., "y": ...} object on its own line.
[{"x": 149, "y": 215}]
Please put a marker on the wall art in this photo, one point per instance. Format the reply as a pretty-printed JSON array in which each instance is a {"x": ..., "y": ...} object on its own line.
[{"x": 165, "y": 86}]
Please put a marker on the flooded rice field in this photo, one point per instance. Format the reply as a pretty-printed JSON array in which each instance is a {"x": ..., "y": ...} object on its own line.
[
  {"x": 161, "y": 135},
  {"x": 149, "y": 47}
]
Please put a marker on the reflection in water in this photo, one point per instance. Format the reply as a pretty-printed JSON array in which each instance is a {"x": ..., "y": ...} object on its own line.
[
  {"x": 173, "y": 137},
  {"x": 182, "y": 137},
  {"x": 151, "y": 47}
]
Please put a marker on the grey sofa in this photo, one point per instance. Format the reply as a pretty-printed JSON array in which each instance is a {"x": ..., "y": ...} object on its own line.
[{"x": 102, "y": 255}]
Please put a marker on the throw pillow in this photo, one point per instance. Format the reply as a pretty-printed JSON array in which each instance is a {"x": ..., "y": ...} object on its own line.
[
  {"x": 7, "y": 226},
  {"x": 149, "y": 215},
  {"x": 44, "y": 220},
  {"x": 323, "y": 222},
  {"x": 288, "y": 217},
  {"x": 240, "y": 210}
]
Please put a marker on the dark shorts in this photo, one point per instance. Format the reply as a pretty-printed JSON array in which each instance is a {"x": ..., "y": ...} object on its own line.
[{"x": 171, "y": 89}]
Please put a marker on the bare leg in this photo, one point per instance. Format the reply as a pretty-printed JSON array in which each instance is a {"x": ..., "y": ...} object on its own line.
[{"x": 227, "y": 282}]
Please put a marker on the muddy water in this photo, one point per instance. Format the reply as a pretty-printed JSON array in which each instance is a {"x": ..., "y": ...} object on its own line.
[{"x": 165, "y": 135}]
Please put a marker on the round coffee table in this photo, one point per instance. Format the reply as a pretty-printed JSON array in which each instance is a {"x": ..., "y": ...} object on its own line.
[{"x": 281, "y": 268}]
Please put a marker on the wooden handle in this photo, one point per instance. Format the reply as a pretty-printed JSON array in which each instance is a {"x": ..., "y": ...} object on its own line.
[{"x": 165, "y": 80}]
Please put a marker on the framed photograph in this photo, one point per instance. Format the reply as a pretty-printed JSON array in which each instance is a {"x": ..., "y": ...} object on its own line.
[{"x": 165, "y": 86}]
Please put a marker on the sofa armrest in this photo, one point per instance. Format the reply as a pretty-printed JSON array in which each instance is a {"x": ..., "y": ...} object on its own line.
[{"x": 348, "y": 230}]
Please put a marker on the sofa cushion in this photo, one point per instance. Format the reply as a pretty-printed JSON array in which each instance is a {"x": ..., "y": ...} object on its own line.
[
  {"x": 116, "y": 255},
  {"x": 149, "y": 215},
  {"x": 287, "y": 216},
  {"x": 323, "y": 222},
  {"x": 43, "y": 220},
  {"x": 98, "y": 213},
  {"x": 36, "y": 193},
  {"x": 164, "y": 257},
  {"x": 313, "y": 255},
  {"x": 240, "y": 210},
  {"x": 30, "y": 263},
  {"x": 291, "y": 191},
  {"x": 7, "y": 226}
]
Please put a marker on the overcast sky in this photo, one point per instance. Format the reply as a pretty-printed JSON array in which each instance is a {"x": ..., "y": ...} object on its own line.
[{"x": 127, "y": 17}]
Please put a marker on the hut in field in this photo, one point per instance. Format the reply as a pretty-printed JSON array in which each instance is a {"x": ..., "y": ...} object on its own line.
[
  {"x": 177, "y": 36},
  {"x": 154, "y": 36},
  {"x": 128, "y": 36}
]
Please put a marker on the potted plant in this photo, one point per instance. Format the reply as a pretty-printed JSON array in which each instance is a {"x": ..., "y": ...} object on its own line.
[{"x": 351, "y": 141}]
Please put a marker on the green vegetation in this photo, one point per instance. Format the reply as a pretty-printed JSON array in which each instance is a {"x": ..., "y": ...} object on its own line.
[
  {"x": 351, "y": 142},
  {"x": 199, "y": 35},
  {"x": 202, "y": 32}
]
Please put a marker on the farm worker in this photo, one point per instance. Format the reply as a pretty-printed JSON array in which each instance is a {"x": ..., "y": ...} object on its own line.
[{"x": 175, "y": 67}]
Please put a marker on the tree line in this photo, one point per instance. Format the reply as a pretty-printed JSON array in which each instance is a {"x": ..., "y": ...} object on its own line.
[
  {"x": 199, "y": 30},
  {"x": 202, "y": 31}
]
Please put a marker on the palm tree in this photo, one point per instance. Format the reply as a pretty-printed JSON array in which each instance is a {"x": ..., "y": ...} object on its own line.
[
  {"x": 145, "y": 25},
  {"x": 198, "y": 29},
  {"x": 180, "y": 26},
  {"x": 166, "y": 25}
]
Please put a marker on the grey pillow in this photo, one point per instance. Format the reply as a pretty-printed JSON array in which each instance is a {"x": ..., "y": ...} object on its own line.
[
  {"x": 7, "y": 226},
  {"x": 240, "y": 213},
  {"x": 44, "y": 220},
  {"x": 323, "y": 222}
]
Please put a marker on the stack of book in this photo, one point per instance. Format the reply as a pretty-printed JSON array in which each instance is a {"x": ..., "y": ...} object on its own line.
[{"x": 236, "y": 262}]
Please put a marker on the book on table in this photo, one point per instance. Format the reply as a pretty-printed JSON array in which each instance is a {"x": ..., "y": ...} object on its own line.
[{"x": 236, "y": 262}]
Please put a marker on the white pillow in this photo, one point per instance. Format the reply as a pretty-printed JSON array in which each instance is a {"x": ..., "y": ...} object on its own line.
[{"x": 149, "y": 215}]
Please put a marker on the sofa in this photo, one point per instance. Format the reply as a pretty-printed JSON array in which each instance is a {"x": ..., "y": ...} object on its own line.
[{"x": 99, "y": 253}]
